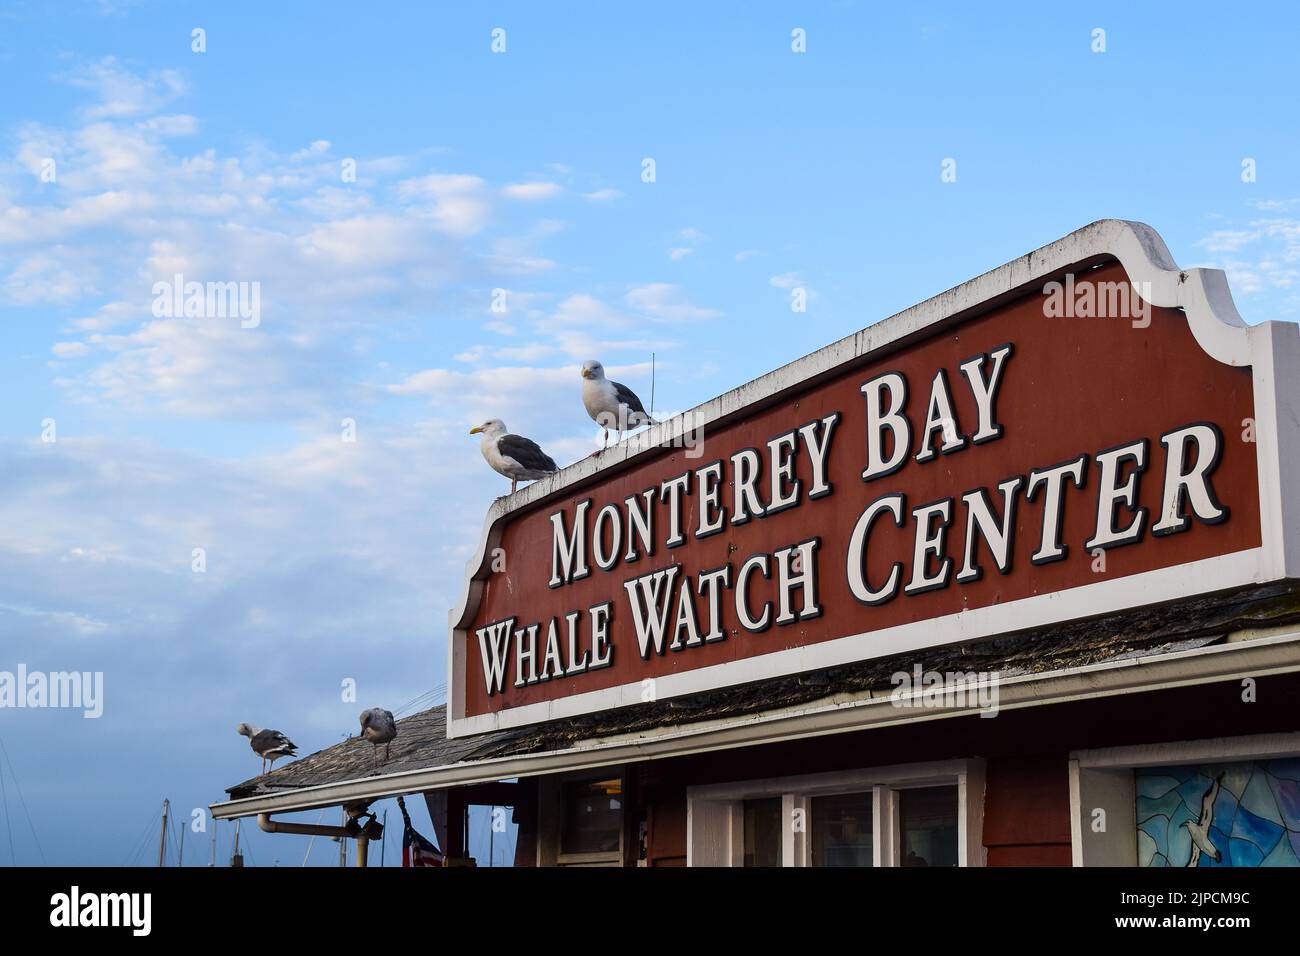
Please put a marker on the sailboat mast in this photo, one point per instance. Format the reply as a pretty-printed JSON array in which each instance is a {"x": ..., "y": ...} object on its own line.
[{"x": 162, "y": 836}]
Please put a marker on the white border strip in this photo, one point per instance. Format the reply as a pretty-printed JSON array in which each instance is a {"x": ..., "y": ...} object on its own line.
[{"x": 1214, "y": 322}]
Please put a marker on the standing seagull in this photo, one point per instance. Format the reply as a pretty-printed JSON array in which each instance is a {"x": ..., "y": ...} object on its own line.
[
  {"x": 268, "y": 744},
  {"x": 378, "y": 726},
  {"x": 611, "y": 404},
  {"x": 514, "y": 456},
  {"x": 1200, "y": 830}
]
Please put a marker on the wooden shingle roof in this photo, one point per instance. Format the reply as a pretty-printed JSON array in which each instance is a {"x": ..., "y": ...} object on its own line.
[{"x": 422, "y": 744}]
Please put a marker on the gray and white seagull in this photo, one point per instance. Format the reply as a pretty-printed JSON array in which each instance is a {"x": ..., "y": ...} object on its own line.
[
  {"x": 378, "y": 727},
  {"x": 611, "y": 404},
  {"x": 268, "y": 744},
  {"x": 516, "y": 457},
  {"x": 1200, "y": 830}
]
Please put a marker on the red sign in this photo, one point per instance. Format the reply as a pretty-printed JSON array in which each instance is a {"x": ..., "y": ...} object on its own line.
[{"x": 1067, "y": 450}]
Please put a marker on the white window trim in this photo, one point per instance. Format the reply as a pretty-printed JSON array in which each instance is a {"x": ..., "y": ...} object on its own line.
[
  {"x": 1103, "y": 780},
  {"x": 715, "y": 813}
]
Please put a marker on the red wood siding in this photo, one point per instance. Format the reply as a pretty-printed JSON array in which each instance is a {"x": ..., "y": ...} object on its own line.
[{"x": 1027, "y": 811}]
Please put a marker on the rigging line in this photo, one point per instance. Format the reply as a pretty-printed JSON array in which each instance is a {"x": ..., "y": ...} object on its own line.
[
  {"x": 140, "y": 847},
  {"x": 174, "y": 827},
  {"x": 23, "y": 800},
  {"x": 4, "y": 799},
  {"x": 435, "y": 691},
  {"x": 312, "y": 841},
  {"x": 431, "y": 692},
  {"x": 146, "y": 841},
  {"x": 414, "y": 699},
  {"x": 418, "y": 703},
  {"x": 148, "y": 826}
]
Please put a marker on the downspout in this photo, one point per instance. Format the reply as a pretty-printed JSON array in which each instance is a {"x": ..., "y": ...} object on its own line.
[{"x": 268, "y": 825}]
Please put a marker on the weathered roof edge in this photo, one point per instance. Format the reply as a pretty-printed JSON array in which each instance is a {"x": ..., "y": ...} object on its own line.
[{"x": 1255, "y": 657}]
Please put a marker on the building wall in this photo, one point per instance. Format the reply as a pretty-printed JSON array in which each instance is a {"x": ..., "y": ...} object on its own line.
[
  {"x": 1026, "y": 751},
  {"x": 1027, "y": 811}
]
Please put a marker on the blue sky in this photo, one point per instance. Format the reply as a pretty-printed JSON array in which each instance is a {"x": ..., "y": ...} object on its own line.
[{"x": 478, "y": 171}]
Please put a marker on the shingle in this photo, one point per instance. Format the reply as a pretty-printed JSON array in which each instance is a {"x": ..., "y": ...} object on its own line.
[{"x": 422, "y": 744}]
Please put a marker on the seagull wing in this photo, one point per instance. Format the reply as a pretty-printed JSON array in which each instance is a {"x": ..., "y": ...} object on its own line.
[
  {"x": 526, "y": 452},
  {"x": 1207, "y": 802},
  {"x": 628, "y": 397},
  {"x": 272, "y": 741}
]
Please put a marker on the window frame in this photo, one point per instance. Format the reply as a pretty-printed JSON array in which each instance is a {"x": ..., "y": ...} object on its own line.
[
  {"x": 550, "y": 846},
  {"x": 715, "y": 812}
]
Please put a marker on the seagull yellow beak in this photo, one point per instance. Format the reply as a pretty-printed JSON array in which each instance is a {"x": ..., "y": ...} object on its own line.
[
  {"x": 584, "y": 374},
  {"x": 476, "y": 429}
]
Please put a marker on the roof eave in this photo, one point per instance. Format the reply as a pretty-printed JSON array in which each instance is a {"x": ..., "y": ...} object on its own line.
[{"x": 1257, "y": 657}]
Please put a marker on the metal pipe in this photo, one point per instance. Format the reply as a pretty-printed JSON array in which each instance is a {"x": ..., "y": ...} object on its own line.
[{"x": 265, "y": 822}]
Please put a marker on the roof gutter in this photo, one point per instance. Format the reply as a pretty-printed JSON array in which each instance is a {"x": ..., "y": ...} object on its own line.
[{"x": 1257, "y": 657}]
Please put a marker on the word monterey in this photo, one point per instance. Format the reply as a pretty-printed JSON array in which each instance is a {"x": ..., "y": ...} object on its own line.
[{"x": 673, "y": 611}]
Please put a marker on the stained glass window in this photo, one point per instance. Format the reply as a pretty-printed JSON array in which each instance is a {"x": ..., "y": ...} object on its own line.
[{"x": 1229, "y": 814}]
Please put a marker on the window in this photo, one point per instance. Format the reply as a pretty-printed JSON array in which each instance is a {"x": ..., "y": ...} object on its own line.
[
  {"x": 843, "y": 830},
  {"x": 927, "y": 822},
  {"x": 763, "y": 832},
  {"x": 924, "y": 814},
  {"x": 593, "y": 816}
]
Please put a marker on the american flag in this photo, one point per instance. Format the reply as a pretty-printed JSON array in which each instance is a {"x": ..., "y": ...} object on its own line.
[{"x": 416, "y": 850}]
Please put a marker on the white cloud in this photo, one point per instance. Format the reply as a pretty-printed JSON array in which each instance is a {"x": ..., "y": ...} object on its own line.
[
  {"x": 317, "y": 149},
  {"x": 1261, "y": 257},
  {"x": 581, "y": 309},
  {"x": 602, "y": 195},
  {"x": 693, "y": 238},
  {"x": 460, "y": 205},
  {"x": 371, "y": 241},
  {"x": 179, "y": 124},
  {"x": 122, "y": 93},
  {"x": 661, "y": 300},
  {"x": 334, "y": 262},
  {"x": 531, "y": 192}
]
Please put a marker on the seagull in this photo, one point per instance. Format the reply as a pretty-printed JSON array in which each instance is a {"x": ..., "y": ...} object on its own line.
[
  {"x": 1200, "y": 830},
  {"x": 378, "y": 726},
  {"x": 268, "y": 744},
  {"x": 514, "y": 456},
  {"x": 611, "y": 404}
]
